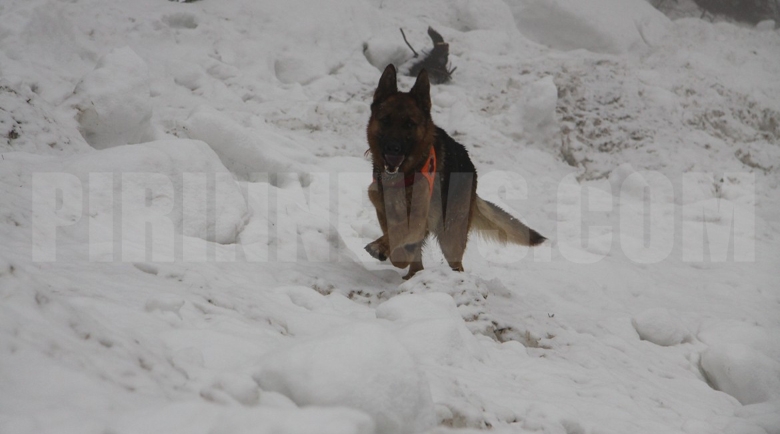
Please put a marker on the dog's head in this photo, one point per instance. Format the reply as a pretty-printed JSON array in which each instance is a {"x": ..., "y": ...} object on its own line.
[{"x": 400, "y": 131}]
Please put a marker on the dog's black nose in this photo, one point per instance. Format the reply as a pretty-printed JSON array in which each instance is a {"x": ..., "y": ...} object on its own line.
[{"x": 393, "y": 148}]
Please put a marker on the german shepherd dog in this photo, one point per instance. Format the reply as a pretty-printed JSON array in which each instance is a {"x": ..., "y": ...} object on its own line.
[{"x": 425, "y": 183}]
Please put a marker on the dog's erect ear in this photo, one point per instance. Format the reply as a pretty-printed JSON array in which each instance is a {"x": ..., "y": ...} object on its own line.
[
  {"x": 421, "y": 91},
  {"x": 387, "y": 84}
]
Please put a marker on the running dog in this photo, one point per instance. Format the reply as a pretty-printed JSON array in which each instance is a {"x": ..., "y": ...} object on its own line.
[{"x": 425, "y": 183}]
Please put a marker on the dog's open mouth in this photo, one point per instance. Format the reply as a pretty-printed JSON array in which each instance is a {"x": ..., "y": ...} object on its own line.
[{"x": 393, "y": 163}]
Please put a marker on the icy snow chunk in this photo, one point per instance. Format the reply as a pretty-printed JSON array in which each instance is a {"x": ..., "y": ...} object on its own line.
[
  {"x": 164, "y": 303},
  {"x": 742, "y": 372},
  {"x": 360, "y": 366},
  {"x": 246, "y": 153},
  {"x": 113, "y": 101},
  {"x": 188, "y": 75},
  {"x": 386, "y": 48},
  {"x": 660, "y": 327},
  {"x": 601, "y": 26}
]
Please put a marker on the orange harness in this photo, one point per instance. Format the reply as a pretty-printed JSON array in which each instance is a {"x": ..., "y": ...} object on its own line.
[{"x": 428, "y": 171}]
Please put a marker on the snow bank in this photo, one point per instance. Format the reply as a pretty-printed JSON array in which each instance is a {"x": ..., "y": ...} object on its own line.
[
  {"x": 202, "y": 418},
  {"x": 742, "y": 372},
  {"x": 246, "y": 153},
  {"x": 113, "y": 101},
  {"x": 176, "y": 172},
  {"x": 766, "y": 415},
  {"x": 738, "y": 332},
  {"x": 742, "y": 360},
  {"x": 463, "y": 15},
  {"x": 360, "y": 366},
  {"x": 601, "y": 26}
]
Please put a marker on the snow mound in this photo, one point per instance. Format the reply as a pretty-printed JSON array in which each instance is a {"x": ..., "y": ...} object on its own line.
[
  {"x": 246, "y": 153},
  {"x": 406, "y": 307},
  {"x": 468, "y": 292},
  {"x": 113, "y": 101},
  {"x": 744, "y": 373},
  {"x": 177, "y": 172},
  {"x": 431, "y": 328},
  {"x": 362, "y": 367},
  {"x": 601, "y": 26},
  {"x": 660, "y": 327}
]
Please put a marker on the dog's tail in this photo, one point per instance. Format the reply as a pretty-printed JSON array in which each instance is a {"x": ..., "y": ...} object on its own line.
[{"x": 495, "y": 224}]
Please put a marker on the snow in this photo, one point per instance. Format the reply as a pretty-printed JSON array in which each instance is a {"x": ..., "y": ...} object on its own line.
[
  {"x": 243, "y": 151},
  {"x": 183, "y": 215},
  {"x": 113, "y": 101},
  {"x": 742, "y": 372},
  {"x": 361, "y": 367},
  {"x": 602, "y": 26}
]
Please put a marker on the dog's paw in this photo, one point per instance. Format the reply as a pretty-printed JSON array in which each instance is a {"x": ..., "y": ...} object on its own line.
[{"x": 377, "y": 249}]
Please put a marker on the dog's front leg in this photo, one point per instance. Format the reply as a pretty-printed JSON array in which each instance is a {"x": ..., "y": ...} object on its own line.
[
  {"x": 406, "y": 211},
  {"x": 378, "y": 248},
  {"x": 407, "y": 225}
]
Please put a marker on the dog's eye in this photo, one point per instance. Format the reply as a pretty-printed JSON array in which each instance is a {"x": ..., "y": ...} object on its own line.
[{"x": 410, "y": 123}]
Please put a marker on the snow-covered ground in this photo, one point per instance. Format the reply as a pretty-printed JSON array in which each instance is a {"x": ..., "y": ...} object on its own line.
[{"x": 183, "y": 210}]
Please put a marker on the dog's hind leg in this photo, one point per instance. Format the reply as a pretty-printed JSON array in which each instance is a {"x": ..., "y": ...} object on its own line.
[
  {"x": 416, "y": 264},
  {"x": 453, "y": 243},
  {"x": 454, "y": 230}
]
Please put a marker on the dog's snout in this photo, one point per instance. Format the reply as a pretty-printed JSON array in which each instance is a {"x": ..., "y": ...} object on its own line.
[{"x": 393, "y": 148}]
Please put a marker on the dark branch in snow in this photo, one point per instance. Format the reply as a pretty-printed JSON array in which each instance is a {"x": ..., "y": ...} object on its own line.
[
  {"x": 407, "y": 43},
  {"x": 436, "y": 61}
]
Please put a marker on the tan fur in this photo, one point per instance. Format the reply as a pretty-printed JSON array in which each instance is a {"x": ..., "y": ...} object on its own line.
[{"x": 494, "y": 224}]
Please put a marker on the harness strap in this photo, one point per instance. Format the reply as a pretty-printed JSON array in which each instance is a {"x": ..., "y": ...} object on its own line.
[{"x": 428, "y": 171}]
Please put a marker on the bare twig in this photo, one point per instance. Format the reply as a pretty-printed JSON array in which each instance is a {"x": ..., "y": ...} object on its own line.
[{"x": 407, "y": 43}]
